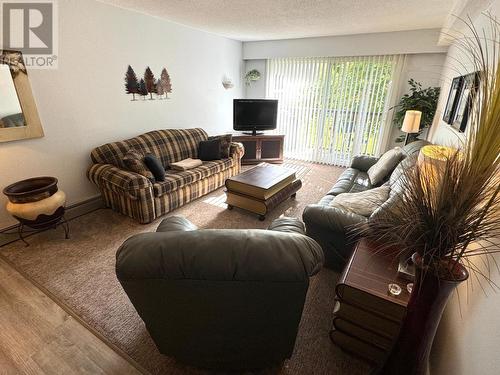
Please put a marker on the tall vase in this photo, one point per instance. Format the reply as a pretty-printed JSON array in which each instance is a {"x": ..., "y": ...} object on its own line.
[{"x": 410, "y": 353}]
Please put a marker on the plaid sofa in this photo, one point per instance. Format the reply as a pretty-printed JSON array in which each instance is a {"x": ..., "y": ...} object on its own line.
[{"x": 136, "y": 196}]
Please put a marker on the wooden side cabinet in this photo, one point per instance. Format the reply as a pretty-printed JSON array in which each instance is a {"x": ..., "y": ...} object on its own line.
[
  {"x": 367, "y": 319},
  {"x": 261, "y": 148}
]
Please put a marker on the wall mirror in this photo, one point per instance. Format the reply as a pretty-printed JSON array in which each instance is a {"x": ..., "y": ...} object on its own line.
[{"x": 18, "y": 114}]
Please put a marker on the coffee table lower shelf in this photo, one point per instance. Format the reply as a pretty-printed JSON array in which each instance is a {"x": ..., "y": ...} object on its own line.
[{"x": 259, "y": 206}]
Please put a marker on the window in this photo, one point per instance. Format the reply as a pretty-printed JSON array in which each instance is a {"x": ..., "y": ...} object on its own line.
[{"x": 332, "y": 108}]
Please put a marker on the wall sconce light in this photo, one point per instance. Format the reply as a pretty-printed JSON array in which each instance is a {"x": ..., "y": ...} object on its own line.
[{"x": 227, "y": 83}]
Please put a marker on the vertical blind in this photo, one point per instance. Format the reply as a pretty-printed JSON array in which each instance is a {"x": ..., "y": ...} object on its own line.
[{"x": 333, "y": 108}]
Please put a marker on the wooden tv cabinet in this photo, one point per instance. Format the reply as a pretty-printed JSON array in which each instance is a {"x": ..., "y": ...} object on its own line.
[{"x": 261, "y": 148}]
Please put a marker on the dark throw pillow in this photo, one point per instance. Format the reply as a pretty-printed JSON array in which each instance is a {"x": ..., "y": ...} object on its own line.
[
  {"x": 155, "y": 167},
  {"x": 134, "y": 161},
  {"x": 209, "y": 150},
  {"x": 225, "y": 144}
]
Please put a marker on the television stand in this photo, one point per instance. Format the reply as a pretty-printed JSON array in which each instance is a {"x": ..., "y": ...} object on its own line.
[{"x": 261, "y": 148}]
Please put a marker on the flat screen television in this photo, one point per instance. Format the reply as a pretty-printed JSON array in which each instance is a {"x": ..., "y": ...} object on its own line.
[{"x": 254, "y": 115}]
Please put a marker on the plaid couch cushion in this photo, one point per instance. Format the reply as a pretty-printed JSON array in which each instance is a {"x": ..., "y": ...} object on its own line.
[
  {"x": 134, "y": 162},
  {"x": 175, "y": 180},
  {"x": 225, "y": 144},
  {"x": 168, "y": 145}
]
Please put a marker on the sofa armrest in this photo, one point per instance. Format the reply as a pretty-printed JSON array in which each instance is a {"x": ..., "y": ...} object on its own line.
[
  {"x": 288, "y": 225},
  {"x": 116, "y": 179},
  {"x": 176, "y": 223},
  {"x": 236, "y": 150},
  {"x": 331, "y": 228},
  {"x": 331, "y": 218},
  {"x": 363, "y": 162}
]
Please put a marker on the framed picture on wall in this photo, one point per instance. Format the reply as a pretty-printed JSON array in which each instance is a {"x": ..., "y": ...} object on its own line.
[
  {"x": 470, "y": 83},
  {"x": 453, "y": 97}
]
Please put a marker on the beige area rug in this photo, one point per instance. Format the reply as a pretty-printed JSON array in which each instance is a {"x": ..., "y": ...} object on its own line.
[{"x": 79, "y": 273}]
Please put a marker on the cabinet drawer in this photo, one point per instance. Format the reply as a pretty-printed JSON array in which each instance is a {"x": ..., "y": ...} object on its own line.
[
  {"x": 250, "y": 149},
  {"x": 270, "y": 149}
]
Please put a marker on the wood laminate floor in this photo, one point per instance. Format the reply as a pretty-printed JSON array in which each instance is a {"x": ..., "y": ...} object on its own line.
[{"x": 38, "y": 337}]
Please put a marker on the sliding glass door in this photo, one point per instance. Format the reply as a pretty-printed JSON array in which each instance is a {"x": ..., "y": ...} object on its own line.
[{"x": 332, "y": 108}]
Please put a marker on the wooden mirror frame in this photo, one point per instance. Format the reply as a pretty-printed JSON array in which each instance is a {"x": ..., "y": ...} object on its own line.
[{"x": 33, "y": 128}]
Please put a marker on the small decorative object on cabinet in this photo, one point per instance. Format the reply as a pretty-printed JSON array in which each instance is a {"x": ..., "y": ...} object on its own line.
[
  {"x": 261, "y": 148},
  {"x": 37, "y": 203}
]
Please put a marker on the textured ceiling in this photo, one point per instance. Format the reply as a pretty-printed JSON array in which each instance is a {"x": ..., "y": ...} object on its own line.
[{"x": 283, "y": 19}]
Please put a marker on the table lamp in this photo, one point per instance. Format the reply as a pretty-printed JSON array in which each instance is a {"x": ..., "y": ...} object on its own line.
[
  {"x": 411, "y": 123},
  {"x": 433, "y": 162}
]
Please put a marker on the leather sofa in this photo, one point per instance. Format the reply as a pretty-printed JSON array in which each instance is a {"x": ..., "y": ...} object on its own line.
[
  {"x": 134, "y": 195},
  {"x": 329, "y": 226},
  {"x": 220, "y": 298}
]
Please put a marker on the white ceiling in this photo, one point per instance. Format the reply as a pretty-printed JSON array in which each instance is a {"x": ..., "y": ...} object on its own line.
[{"x": 283, "y": 19}]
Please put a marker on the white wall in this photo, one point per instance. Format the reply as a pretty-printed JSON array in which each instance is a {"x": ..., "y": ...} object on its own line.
[
  {"x": 400, "y": 42},
  {"x": 82, "y": 104},
  {"x": 468, "y": 338}
]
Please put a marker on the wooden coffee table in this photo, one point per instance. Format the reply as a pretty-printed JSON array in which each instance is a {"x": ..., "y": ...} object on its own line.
[{"x": 261, "y": 188}]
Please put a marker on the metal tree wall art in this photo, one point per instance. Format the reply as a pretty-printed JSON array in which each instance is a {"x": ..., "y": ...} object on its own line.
[
  {"x": 131, "y": 83},
  {"x": 143, "y": 91},
  {"x": 165, "y": 82},
  {"x": 149, "y": 78},
  {"x": 149, "y": 85},
  {"x": 159, "y": 90}
]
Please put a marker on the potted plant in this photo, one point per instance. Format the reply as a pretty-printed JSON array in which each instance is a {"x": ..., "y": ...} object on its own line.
[
  {"x": 451, "y": 200},
  {"x": 252, "y": 76},
  {"x": 419, "y": 99}
]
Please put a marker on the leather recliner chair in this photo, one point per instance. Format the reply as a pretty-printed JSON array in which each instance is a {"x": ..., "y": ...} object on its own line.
[{"x": 220, "y": 298}]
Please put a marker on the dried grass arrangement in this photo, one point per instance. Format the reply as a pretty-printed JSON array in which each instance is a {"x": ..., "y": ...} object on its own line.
[
  {"x": 446, "y": 207},
  {"x": 450, "y": 201}
]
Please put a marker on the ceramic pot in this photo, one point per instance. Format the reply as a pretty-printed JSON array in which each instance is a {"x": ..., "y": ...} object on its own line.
[
  {"x": 410, "y": 353},
  {"x": 31, "y": 190},
  {"x": 36, "y": 202}
]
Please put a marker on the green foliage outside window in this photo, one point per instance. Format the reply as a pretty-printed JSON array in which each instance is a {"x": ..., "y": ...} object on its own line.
[{"x": 367, "y": 84}]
